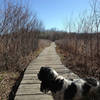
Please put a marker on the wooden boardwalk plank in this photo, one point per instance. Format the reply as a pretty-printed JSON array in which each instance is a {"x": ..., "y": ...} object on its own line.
[
  {"x": 34, "y": 97},
  {"x": 29, "y": 88}
]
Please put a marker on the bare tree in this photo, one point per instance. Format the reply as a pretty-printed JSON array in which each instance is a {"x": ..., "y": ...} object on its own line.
[
  {"x": 20, "y": 30},
  {"x": 16, "y": 17},
  {"x": 95, "y": 12}
]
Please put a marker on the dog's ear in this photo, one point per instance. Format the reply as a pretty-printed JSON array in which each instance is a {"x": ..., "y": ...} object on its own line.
[
  {"x": 41, "y": 73},
  {"x": 44, "y": 88}
]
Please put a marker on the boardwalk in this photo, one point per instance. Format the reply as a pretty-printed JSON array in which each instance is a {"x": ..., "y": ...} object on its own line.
[{"x": 29, "y": 88}]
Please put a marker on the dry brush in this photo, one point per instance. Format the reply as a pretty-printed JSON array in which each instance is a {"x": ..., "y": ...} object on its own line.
[{"x": 81, "y": 53}]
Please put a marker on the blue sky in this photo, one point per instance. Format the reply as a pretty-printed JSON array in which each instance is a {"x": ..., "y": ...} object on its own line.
[{"x": 53, "y": 13}]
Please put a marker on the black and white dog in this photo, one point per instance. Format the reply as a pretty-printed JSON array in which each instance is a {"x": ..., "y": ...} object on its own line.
[{"x": 64, "y": 89}]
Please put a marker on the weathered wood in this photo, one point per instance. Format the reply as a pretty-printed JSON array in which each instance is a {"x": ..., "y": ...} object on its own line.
[
  {"x": 34, "y": 97},
  {"x": 29, "y": 88}
]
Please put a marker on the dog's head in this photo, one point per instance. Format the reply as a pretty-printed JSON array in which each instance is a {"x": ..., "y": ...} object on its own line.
[{"x": 47, "y": 76}]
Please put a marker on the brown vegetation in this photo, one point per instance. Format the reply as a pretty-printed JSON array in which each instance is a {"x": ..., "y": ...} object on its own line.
[
  {"x": 81, "y": 54},
  {"x": 8, "y": 78},
  {"x": 19, "y": 44},
  {"x": 80, "y": 49},
  {"x": 16, "y": 47},
  {"x": 19, "y": 31}
]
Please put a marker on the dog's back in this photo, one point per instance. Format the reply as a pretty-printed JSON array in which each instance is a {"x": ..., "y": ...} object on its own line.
[{"x": 64, "y": 89}]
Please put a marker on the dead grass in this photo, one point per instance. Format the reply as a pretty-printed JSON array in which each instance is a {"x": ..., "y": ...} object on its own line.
[
  {"x": 8, "y": 78},
  {"x": 80, "y": 61}
]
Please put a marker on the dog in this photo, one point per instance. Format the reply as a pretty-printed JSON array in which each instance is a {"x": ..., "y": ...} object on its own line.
[{"x": 68, "y": 89}]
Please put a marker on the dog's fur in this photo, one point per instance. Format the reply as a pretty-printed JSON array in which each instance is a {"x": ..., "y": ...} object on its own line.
[{"x": 64, "y": 89}]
